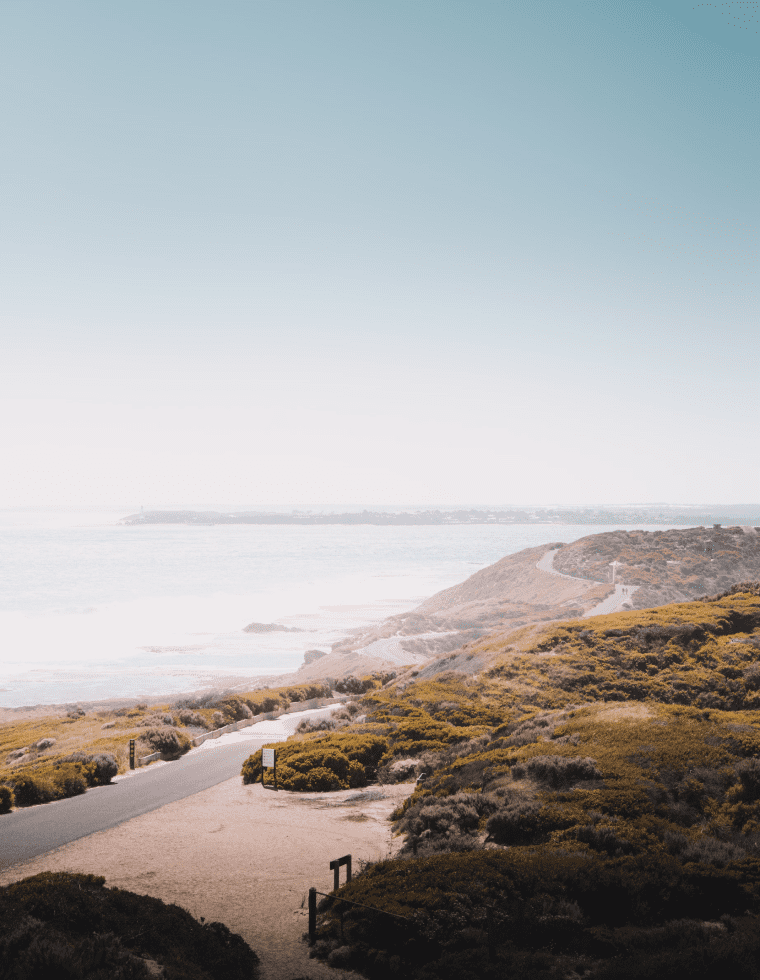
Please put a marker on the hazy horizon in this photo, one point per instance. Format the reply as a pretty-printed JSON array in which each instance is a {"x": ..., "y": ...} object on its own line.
[{"x": 328, "y": 251}]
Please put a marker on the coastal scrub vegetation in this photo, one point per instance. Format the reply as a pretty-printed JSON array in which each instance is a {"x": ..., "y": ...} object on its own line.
[
  {"x": 322, "y": 762},
  {"x": 71, "y": 926},
  {"x": 51, "y": 757},
  {"x": 666, "y": 566},
  {"x": 599, "y": 813}
]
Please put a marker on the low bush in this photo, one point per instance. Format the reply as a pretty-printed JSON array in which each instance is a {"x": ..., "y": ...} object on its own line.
[
  {"x": 556, "y": 770},
  {"x": 157, "y": 719},
  {"x": 44, "y": 743},
  {"x": 59, "y": 925},
  {"x": 191, "y": 718},
  {"x": 323, "y": 762},
  {"x": 168, "y": 741},
  {"x": 748, "y": 771},
  {"x": 605, "y": 838},
  {"x": 6, "y": 799},
  {"x": 317, "y": 725},
  {"x": 234, "y": 708},
  {"x": 517, "y": 823},
  {"x": 98, "y": 770},
  {"x": 60, "y": 778},
  {"x": 562, "y": 903},
  {"x": 36, "y": 787},
  {"x": 360, "y": 685},
  {"x": 432, "y": 818}
]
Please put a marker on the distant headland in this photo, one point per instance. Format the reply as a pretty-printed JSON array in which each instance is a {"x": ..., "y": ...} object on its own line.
[{"x": 735, "y": 514}]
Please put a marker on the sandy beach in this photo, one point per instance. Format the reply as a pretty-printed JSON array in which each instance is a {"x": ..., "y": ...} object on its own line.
[{"x": 242, "y": 855}]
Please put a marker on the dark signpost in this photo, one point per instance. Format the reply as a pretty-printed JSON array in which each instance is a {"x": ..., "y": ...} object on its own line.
[
  {"x": 335, "y": 867},
  {"x": 131, "y": 753}
]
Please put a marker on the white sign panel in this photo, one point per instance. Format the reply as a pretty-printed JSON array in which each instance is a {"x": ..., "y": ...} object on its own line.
[{"x": 267, "y": 758}]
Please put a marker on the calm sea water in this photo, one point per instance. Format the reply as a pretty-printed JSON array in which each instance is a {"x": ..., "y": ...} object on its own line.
[{"x": 90, "y": 609}]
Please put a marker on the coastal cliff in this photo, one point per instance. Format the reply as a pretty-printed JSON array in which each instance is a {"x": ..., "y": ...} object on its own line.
[{"x": 547, "y": 583}]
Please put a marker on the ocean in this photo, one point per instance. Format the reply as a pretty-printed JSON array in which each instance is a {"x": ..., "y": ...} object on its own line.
[{"x": 91, "y": 609}]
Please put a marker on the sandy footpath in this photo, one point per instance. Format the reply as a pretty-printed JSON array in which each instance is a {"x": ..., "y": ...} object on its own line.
[{"x": 242, "y": 855}]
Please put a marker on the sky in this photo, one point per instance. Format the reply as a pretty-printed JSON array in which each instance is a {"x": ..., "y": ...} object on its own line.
[{"x": 322, "y": 252}]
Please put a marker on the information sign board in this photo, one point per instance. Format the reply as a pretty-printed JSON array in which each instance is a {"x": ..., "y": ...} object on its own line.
[{"x": 267, "y": 758}]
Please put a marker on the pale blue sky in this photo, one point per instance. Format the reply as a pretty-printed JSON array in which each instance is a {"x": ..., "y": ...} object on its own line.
[{"x": 379, "y": 251}]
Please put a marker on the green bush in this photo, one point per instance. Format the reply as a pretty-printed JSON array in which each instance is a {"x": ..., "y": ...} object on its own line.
[
  {"x": 336, "y": 760},
  {"x": 556, "y": 770},
  {"x": 71, "y": 779},
  {"x": 6, "y": 799},
  {"x": 168, "y": 741},
  {"x": 542, "y": 903},
  {"x": 68, "y": 926},
  {"x": 29, "y": 790},
  {"x": 159, "y": 718},
  {"x": 517, "y": 823},
  {"x": 98, "y": 770},
  {"x": 234, "y": 709},
  {"x": 188, "y": 717},
  {"x": 360, "y": 685}
]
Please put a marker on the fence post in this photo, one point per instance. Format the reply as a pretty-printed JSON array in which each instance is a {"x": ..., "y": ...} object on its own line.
[
  {"x": 312, "y": 915},
  {"x": 335, "y": 867}
]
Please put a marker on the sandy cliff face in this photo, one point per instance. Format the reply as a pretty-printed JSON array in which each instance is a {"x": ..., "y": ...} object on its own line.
[
  {"x": 505, "y": 595},
  {"x": 550, "y": 582}
]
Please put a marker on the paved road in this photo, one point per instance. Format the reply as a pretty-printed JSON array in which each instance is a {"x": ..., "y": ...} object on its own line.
[
  {"x": 27, "y": 833},
  {"x": 613, "y": 603}
]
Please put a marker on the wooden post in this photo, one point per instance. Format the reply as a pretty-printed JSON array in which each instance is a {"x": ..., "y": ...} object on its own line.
[
  {"x": 312, "y": 916},
  {"x": 491, "y": 936},
  {"x": 335, "y": 867},
  {"x": 131, "y": 753}
]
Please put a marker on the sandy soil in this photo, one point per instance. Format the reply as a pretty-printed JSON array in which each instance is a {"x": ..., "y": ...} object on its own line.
[{"x": 242, "y": 855}]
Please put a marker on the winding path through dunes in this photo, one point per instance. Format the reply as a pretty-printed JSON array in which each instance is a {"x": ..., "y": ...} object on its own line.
[{"x": 613, "y": 603}]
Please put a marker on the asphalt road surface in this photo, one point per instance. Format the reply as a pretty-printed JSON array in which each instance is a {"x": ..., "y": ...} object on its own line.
[{"x": 27, "y": 833}]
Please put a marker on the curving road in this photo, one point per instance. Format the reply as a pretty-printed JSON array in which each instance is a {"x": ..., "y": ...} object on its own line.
[
  {"x": 29, "y": 832},
  {"x": 613, "y": 603}
]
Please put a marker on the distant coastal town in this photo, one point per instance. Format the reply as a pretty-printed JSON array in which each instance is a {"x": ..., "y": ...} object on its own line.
[{"x": 644, "y": 514}]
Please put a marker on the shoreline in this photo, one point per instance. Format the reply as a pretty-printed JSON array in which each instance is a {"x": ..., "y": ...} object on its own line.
[{"x": 113, "y": 704}]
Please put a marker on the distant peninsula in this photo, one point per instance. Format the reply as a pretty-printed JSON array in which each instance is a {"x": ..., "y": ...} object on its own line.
[{"x": 748, "y": 514}]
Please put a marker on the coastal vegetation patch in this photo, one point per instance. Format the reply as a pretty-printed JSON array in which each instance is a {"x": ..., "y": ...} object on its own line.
[
  {"x": 62, "y": 925},
  {"x": 666, "y": 566},
  {"x": 322, "y": 762},
  {"x": 52, "y": 757},
  {"x": 601, "y": 812}
]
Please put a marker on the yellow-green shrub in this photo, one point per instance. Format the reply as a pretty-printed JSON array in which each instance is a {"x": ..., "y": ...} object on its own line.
[
  {"x": 6, "y": 799},
  {"x": 336, "y": 760},
  {"x": 166, "y": 740}
]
